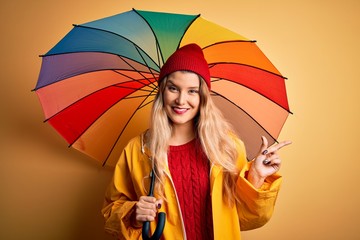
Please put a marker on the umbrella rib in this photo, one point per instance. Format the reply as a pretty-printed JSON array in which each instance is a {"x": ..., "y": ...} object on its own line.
[
  {"x": 158, "y": 53},
  {"x": 187, "y": 28},
  {"x": 93, "y": 71},
  {"x": 247, "y": 65},
  {"x": 137, "y": 80},
  {"x": 144, "y": 105},
  {"x": 103, "y": 30},
  {"x": 137, "y": 49},
  {"x": 133, "y": 88},
  {"x": 140, "y": 96},
  {"x": 122, "y": 131},
  {"x": 229, "y": 41},
  {"x": 220, "y": 95},
  {"x": 156, "y": 40},
  {"x": 138, "y": 71}
]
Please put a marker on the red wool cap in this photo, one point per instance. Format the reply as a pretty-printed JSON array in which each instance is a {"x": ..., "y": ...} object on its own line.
[{"x": 187, "y": 58}]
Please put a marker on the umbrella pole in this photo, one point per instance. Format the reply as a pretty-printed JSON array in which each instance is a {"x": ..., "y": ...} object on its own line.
[{"x": 161, "y": 218}]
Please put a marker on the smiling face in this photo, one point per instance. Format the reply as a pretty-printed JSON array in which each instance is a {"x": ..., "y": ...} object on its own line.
[{"x": 182, "y": 97}]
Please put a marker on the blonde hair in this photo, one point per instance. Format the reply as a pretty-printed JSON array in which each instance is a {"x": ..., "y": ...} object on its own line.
[{"x": 210, "y": 127}]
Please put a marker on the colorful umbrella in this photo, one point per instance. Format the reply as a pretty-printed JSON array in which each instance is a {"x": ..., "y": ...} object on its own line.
[{"x": 96, "y": 85}]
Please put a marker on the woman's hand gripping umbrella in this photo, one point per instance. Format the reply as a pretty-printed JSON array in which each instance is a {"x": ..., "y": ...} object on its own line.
[{"x": 146, "y": 210}]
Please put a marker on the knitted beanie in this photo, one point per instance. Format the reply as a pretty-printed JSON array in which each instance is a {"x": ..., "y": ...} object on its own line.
[{"x": 187, "y": 58}]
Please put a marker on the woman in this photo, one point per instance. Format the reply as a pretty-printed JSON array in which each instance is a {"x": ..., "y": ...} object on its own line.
[{"x": 203, "y": 180}]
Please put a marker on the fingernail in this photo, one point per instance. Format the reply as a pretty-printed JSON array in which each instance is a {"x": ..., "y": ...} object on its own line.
[
  {"x": 265, "y": 152},
  {"x": 266, "y": 161},
  {"x": 159, "y": 206}
]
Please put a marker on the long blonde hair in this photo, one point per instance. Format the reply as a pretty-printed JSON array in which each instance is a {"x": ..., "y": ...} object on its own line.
[{"x": 210, "y": 127}]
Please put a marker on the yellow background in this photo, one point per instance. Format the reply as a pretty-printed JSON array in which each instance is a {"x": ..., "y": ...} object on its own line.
[{"x": 51, "y": 192}]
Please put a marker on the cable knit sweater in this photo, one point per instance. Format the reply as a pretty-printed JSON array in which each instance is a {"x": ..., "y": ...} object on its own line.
[{"x": 189, "y": 168}]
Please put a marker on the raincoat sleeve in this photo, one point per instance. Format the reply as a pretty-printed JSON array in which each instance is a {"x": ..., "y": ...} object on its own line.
[
  {"x": 120, "y": 200},
  {"x": 256, "y": 205}
]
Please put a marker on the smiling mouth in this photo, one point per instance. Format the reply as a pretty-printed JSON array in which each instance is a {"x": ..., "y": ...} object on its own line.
[{"x": 180, "y": 110}]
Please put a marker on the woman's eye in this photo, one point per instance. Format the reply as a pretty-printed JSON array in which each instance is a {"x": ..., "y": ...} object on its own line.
[
  {"x": 193, "y": 91},
  {"x": 172, "y": 88}
]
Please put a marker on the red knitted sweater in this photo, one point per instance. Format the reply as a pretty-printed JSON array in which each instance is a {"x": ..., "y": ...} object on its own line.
[{"x": 189, "y": 168}]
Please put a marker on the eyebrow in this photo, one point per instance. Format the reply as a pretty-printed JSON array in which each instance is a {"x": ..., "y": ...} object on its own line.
[{"x": 169, "y": 81}]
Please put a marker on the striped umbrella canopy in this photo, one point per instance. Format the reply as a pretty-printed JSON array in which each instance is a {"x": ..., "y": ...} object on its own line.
[{"x": 96, "y": 85}]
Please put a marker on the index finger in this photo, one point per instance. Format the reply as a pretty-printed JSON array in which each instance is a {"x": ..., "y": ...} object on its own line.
[{"x": 278, "y": 146}]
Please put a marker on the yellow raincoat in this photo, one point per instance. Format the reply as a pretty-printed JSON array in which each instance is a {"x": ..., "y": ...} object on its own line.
[{"x": 131, "y": 180}]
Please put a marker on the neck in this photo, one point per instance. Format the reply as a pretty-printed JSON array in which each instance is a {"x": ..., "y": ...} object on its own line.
[{"x": 182, "y": 134}]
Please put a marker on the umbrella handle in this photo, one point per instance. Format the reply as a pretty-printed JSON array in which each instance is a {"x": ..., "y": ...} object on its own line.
[
  {"x": 161, "y": 217},
  {"x": 159, "y": 228}
]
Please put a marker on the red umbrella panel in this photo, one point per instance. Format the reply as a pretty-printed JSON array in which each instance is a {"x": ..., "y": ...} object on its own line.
[{"x": 97, "y": 85}]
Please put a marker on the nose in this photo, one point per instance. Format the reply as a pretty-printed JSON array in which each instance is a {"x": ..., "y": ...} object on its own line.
[{"x": 181, "y": 98}]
